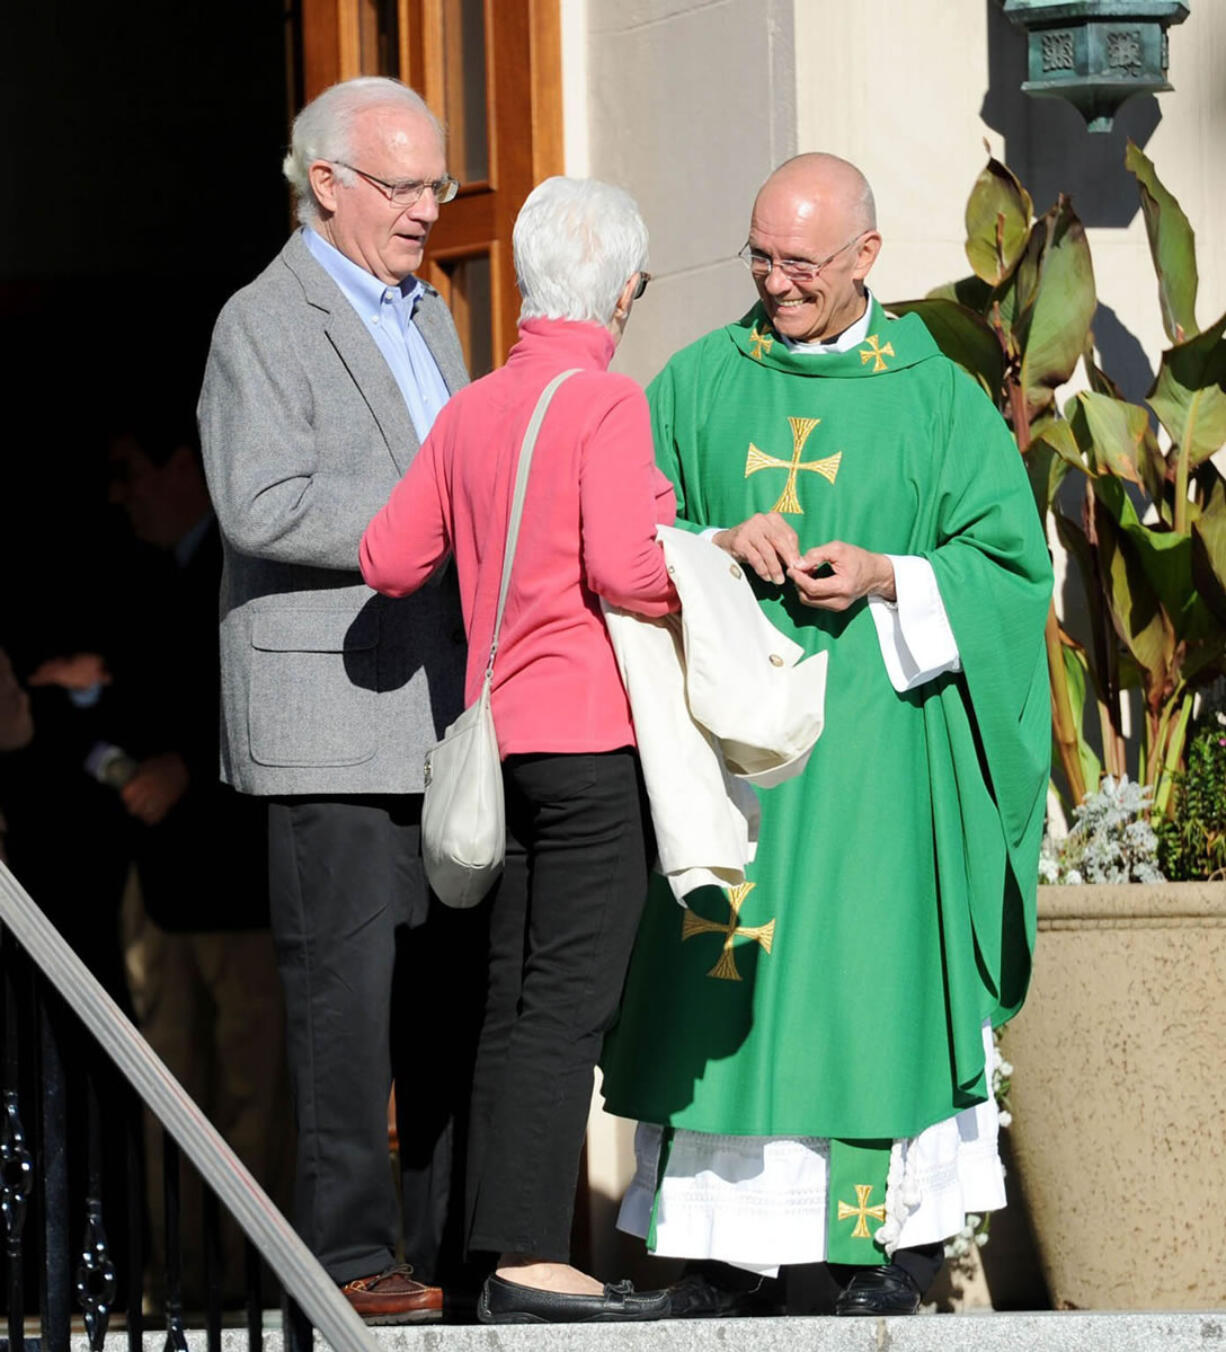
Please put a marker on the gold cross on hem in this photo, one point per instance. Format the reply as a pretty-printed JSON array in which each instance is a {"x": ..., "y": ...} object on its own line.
[
  {"x": 861, "y": 1211},
  {"x": 828, "y": 468},
  {"x": 759, "y": 341},
  {"x": 876, "y": 354},
  {"x": 725, "y": 968}
]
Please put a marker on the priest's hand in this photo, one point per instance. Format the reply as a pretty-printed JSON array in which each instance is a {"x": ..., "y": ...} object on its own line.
[
  {"x": 835, "y": 576},
  {"x": 765, "y": 542}
]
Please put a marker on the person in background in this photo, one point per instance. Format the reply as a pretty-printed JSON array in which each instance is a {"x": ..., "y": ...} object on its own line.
[
  {"x": 565, "y": 910},
  {"x": 201, "y": 957},
  {"x": 16, "y": 724}
]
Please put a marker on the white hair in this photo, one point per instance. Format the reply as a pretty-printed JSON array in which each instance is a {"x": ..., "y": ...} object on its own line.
[
  {"x": 577, "y": 241},
  {"x": 322, "y": 130}
]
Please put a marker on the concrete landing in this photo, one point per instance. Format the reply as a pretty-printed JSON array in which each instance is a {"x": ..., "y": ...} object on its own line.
[{"x": 1165, "y": 1331}]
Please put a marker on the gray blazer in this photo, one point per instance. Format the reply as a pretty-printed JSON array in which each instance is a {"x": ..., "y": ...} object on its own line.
[{"x": 326, "y": 687}]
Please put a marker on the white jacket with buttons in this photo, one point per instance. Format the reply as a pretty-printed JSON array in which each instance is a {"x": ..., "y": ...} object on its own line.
[{"x": 721, "y": 700}]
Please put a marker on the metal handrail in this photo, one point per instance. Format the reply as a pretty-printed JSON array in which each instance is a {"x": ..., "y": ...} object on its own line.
[{"x": 293, "y": 1263}]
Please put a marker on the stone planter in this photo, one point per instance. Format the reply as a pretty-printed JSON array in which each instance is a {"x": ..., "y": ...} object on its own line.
[{"x": 1119, "y": 1095}]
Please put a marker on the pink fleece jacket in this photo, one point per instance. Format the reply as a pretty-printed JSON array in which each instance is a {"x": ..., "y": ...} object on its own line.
[{"x": 588, "y": 530}]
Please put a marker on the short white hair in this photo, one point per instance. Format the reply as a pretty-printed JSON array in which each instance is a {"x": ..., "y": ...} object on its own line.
[
  {"x": 322, "y": 130},
  {"x": 577, "y": 241}
]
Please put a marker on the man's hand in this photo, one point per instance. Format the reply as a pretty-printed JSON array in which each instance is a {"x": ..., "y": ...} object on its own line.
[
  {"x": 156, "y": 787},
  {"x": 765, "y": 542},
  {"x": 853, "y": 573},
  {"x": 81, "y": 671}
]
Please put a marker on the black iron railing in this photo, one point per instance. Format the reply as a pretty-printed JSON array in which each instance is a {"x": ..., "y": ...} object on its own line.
[{"x": 104, "y": 1079}]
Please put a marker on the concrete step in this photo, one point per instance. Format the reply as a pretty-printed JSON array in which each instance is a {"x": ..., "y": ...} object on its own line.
[{"x": 1073, "y": 1331}]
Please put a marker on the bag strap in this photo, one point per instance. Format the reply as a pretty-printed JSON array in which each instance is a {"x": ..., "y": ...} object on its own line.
[{"x": 517, "y": 505}]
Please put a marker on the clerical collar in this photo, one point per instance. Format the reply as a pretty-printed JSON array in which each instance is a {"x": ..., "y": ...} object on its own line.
[{"x": 849, "y": 338}]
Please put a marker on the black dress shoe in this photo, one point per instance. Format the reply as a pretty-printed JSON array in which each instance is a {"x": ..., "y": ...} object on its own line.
[
  {"x": 879, "y": 1291},
  {"x": 503, "y": 1302},
  {"x": 696, "y": 1296}
]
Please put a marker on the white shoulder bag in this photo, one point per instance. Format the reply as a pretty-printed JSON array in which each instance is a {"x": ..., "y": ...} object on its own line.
[{"x": 463, "y": 818}]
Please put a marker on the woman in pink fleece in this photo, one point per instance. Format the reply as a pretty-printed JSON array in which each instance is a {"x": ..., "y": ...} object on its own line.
[{"x": 564, "y": 914}]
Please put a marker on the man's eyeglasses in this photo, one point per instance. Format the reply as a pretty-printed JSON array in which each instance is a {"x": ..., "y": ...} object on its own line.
[
  {"x": 794, "y": 269},
  {"x": 644, "y": 278},
  {"x": 409, "y": 190}
]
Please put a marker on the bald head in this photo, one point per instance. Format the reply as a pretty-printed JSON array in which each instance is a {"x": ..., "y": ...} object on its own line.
[
  {"x": 829, "y": 185},
  {"x": 816, "y": 215}
]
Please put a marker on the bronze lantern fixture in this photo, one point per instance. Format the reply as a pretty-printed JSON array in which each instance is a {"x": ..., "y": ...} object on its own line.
[{"x": 1096, "y": 53}]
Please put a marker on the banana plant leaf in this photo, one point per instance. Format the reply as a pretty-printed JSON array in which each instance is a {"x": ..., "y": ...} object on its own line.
[
  {"x": 1172, "y": 243},
  {"x": 998, "y": 215},
  {"x": 1016, "y": 293},
  {"x": 1051, "y": 332},
  {"x": 1189, "y": 395},
  {"x": 1209, "y": 552},
  {"x": 1076, "y": 669},
  {"x": 963, "y": 336},
  {"x": 1135, "y": 609},
  {"x": 972, "y": 292},
  {"x": 1051, "y": 452},
  {"x": 1116, "y": 438},
  {"x": 1164, "y": 560},
  {"x": 1074, "y": 540}
]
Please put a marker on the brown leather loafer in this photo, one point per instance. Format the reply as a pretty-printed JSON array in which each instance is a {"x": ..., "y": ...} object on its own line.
[{"x": 393, "y": 1297}]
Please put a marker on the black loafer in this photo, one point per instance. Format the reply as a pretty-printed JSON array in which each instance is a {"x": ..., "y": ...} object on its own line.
[
  {"x": 695, "y": 1296},
  {"x": 879, "y": 1291},
  {"x": 503, "y": 1302}
]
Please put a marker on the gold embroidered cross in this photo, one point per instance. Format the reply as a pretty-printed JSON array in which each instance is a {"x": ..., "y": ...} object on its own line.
[
  {"x": 861, "y": 1211},
  {"x": 759, "y": 341},
  {"x": 876, "y": 354},
  {"x": 828, "y": 468},
  {"x": 725, "y": 968}
]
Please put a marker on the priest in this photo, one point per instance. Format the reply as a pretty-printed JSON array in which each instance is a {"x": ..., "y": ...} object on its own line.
[{"x": 809, "y": 1055}]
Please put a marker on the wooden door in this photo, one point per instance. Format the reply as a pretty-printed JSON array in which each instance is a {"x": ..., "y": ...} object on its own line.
[{"x": 491, "y": 71}]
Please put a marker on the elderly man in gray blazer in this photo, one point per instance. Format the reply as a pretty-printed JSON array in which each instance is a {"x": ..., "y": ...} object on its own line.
[{"x": 324, "y": 376}]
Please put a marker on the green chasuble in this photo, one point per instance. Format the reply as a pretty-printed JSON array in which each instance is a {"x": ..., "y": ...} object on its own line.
[{"x": 841, "y": 990}]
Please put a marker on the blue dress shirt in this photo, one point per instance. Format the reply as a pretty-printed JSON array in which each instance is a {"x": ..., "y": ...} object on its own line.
[{"x": 387, "y": 312}]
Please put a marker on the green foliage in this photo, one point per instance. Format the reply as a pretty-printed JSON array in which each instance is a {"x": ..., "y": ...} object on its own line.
[
  {"x": 1111, "y": 840},
  {"x": 1192, "y": 842},
  {"x": 1172, "y": 244},
  {"x": 1150, "y": 536}
]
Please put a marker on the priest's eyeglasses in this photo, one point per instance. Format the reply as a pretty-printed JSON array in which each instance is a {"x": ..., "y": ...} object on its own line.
[
  {"x": 794, "y": 269},
  {"x": 408, "y": 190}
]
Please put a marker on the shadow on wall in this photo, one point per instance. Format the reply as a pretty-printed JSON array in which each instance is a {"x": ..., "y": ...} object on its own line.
[
  {"x": 1122, "y": 357},
  {"x": 1046, "y": 141}
]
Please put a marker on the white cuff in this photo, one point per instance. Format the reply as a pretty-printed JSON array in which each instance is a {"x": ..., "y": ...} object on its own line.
[{"x": 917, "y": 643}]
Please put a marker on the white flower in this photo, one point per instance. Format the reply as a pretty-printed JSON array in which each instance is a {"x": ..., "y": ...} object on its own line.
[
  {"x": 1006, "y": 1119},
  {"x": 1073, "y": 876},
  {"x": 1005, "y": 1068},
  {"x": 981, "y": 1239}
]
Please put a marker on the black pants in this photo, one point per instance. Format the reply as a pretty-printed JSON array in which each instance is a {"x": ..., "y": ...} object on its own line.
[
  {"x": 380, "y": 987},
  {"x": 562, "y": 925}
]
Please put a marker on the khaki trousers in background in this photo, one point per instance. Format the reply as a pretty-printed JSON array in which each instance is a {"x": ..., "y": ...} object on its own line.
[{"x": 210, "y": 1005}]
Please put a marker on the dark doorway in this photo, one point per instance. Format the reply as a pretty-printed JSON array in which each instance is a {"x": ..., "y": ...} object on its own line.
[{"x": 141, "y": 187}]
